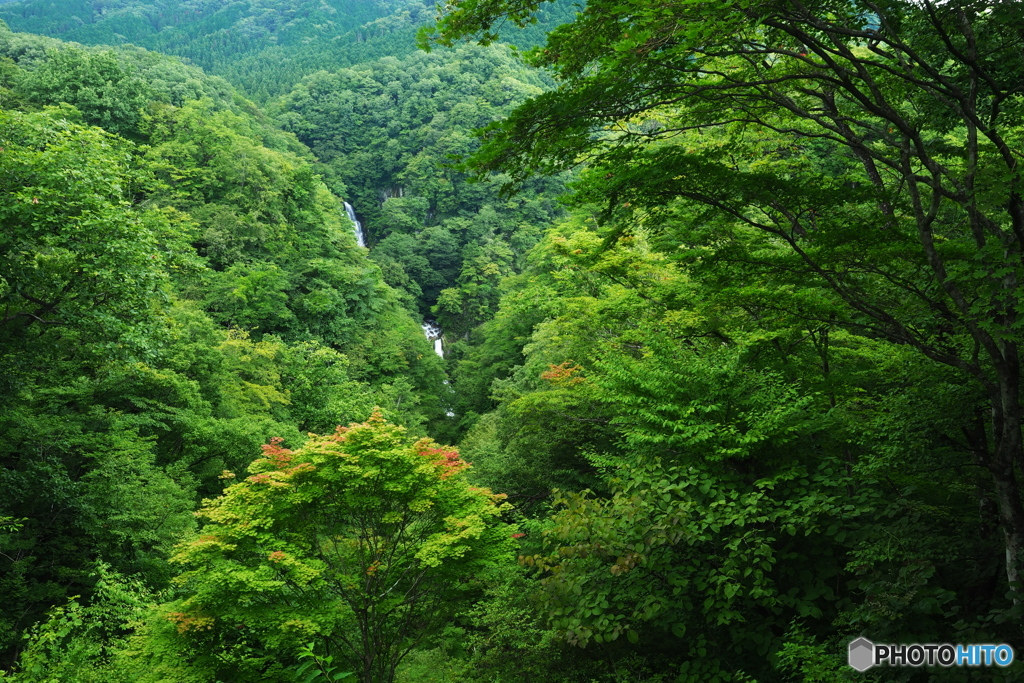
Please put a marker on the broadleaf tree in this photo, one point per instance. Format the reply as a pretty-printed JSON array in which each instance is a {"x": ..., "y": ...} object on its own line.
[
  {"x": 359, "y": 542},
  {"x": 896, "y": 127}
]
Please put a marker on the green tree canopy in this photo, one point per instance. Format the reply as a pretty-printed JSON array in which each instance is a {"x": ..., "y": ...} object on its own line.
[
  {"x": 360, "y": 542},
  {"x": 74, "y": 253},
  {"x": 894, "y": 179}
]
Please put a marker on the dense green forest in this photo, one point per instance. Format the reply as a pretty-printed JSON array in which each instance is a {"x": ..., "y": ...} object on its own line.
[
  {"x": 727, "y": 296},
  {"x": 263, "y": 47}
]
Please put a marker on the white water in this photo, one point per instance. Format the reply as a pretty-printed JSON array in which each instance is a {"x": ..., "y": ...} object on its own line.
[
  {"x": 434, "y": 334},
  {"x": 360, "y": 237}
]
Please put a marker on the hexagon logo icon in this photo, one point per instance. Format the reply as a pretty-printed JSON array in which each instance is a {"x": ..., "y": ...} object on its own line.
[{"x": 861, "y": 654}]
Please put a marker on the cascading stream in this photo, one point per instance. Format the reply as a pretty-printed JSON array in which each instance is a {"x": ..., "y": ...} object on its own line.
[
  {"x": 360, "y": 237},
  {"x": 430, "y": 328},
  {"x": 434, "y": 334}
]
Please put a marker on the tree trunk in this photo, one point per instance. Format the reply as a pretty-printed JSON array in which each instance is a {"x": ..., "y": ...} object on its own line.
[{"x": 1007, "y": 454}]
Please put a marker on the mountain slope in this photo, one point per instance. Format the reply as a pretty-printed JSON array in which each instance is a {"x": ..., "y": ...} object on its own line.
[{"x": 262, "y": 46}]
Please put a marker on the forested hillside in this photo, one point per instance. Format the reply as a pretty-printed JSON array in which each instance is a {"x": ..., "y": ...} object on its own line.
[
  {"x": 178, "y": 287},
  {"x": 263, "y": 47},
  {"x": 388, "y": 131},
  {"x": 728, "y": 297}
]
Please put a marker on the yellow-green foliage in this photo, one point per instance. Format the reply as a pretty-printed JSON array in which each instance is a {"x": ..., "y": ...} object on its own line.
[{"x": 360, "y": 542}]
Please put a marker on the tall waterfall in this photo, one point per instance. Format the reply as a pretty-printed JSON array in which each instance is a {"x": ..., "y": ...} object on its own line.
[
  {"x": 433, "y": 333},
  {"x": 360, "y": 237}
]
